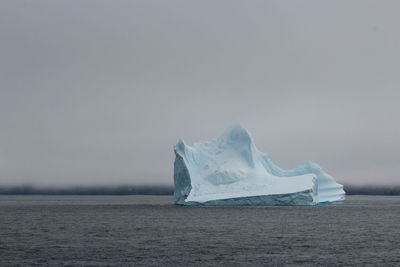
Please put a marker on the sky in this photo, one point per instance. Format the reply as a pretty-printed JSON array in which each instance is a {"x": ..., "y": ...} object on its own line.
[{"x": 98, "y": 92}]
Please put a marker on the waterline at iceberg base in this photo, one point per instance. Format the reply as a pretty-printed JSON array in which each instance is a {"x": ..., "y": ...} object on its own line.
[{"x": 229, "y": 170}]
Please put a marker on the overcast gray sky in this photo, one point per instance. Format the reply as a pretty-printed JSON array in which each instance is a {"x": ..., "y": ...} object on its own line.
[{"x": 98, "y": 92}]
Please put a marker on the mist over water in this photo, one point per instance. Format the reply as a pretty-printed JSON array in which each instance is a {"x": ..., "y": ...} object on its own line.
[{"x": 97, "y": 93}]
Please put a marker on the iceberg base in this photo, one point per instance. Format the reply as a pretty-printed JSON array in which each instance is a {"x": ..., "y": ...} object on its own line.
[{"x": 304, "y": 198}]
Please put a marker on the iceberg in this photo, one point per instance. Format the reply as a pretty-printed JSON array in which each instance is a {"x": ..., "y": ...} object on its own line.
[{"x": 230, "y": 170}]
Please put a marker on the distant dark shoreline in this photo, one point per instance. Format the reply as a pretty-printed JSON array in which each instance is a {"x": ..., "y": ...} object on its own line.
[
  {"x": 159, "y": 190},
  {"x": 384, "y": 190},
  {"x": 87, "y": 190}
]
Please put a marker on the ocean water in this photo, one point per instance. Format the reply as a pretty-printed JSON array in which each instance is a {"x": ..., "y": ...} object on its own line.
[{"x": 150, "y": 231}]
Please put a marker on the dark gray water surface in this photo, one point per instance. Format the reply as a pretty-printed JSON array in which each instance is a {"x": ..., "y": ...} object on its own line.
[{"x": 150, "y": 231}]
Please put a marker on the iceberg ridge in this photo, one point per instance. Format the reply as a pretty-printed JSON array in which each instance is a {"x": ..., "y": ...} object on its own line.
[{"x": 229, "y": 170}]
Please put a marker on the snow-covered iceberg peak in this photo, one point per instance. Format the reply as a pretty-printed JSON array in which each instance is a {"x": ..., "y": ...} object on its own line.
[{"x": 229, "y": 170}]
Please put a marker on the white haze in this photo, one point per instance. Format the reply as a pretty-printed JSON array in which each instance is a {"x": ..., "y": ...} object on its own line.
[{"x": 98, "y": 92}]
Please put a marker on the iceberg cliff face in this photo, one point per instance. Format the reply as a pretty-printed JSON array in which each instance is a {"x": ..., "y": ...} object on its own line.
[{"x": 229, "y": 170}]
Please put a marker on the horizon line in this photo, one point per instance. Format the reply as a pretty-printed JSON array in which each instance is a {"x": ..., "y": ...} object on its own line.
[{"x": 28, "y": 189}]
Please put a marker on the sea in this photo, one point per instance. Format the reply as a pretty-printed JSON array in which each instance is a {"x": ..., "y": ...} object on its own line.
[{"x": 151, "y": 231}]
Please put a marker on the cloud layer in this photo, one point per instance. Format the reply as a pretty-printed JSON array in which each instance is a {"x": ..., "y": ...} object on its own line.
[{"x": 98, "y": 92}]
